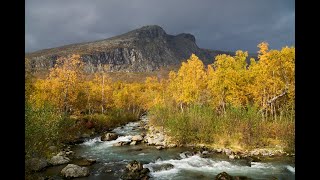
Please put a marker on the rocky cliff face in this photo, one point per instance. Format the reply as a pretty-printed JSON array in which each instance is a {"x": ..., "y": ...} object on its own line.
[{"x": 140, "y": 50}]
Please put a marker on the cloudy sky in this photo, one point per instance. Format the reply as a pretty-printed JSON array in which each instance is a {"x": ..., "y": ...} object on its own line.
[{"x": 216, "y": 24}]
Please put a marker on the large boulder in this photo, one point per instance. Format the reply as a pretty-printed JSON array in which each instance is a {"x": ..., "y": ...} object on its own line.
[
  {"x": 133, "y": 143},
  {"x": 59, "y": 159},
  {"x": 137, "y": 138},
  {"x": 162, "y": 167},
  {"x": 223, "y": 176},
  {"x": 73, "y": 171},
  {"x": 109, "y": 137},
  {"x": 135, "y": 175},
  {"x": 134, "y": 166},
  {"x": 226, "y": 176},
  {"x": 36, "y": 164},
  {"x": 135, "y": 171},
  {"x": 121, "y": 143}
]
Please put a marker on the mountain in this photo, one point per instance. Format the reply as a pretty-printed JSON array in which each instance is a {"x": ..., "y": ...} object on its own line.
[{"x": 142, "y": 50}]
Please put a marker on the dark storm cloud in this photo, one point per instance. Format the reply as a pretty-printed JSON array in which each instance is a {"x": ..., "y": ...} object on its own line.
[{"x": 216, "y": 24}]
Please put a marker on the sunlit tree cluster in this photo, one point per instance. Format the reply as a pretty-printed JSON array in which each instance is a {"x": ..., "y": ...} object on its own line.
[{"x": 267, "y": 83}]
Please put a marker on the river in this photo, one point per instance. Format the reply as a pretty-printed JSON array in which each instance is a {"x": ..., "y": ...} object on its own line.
[{"x": 111, "y": 161}]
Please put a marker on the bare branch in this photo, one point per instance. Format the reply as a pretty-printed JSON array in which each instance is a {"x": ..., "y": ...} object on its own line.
[{"x": 276, "y": 97}]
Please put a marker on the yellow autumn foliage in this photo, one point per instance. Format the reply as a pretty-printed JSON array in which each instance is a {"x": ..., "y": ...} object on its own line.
[
  {"x": 267, "y": 83},
  {"x": 188, "y": 84}
]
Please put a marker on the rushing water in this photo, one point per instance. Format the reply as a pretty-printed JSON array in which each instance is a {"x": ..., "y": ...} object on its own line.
[{"x": 112, "y": 160}]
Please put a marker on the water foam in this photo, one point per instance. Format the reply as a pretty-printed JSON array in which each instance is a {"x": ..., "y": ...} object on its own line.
[
  {"x": 128, "y": 128},
  {"x": 103, "y": 144},
  {"x": 106, "y": 144},
  {"x": 92, "y": 142},
  {"x": 205, "y": 165},
  {"x": 291, "y": 169}
]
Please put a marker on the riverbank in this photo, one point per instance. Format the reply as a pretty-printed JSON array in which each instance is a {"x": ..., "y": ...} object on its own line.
[
  {"x": 238, "y": 129},
  {"x": 101, "y": 158},
  {"x": 159, "y": 136}
]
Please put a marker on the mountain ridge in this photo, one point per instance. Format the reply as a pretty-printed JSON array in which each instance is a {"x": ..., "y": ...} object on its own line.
[{"x": 140, "y": 50}]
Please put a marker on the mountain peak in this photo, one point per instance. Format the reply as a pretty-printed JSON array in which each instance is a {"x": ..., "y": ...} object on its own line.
[
  {"x": 150, "y": 31},
  {"x": 151, "y": 27}
]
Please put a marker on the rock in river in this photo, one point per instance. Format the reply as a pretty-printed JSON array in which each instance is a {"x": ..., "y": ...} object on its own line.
[
  {"x": 223, "y": 176},
  {"x": 159, "y": 147},
  {"x": 121, "y": 143},
  {"x": 137, "y": 138},
  {"x": 134, "y": 166},
  {"x": 109, "y": 137},
  {"x": 133, "y": 143},
  {"x": 59, "y": 159},
  {"x": 72, "y": 170},
  {"x": 162, "y": 167},
  {"x": 226, "y": 176},
  {"x": 135, "y": 170},
  {"x": 231, "y": 156}
]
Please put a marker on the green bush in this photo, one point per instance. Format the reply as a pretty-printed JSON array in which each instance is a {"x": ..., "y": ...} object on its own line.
[
  {"x": 111, "y": 119},
  {"x": 46, "y": 126},
  {"x": 41, "y": 129}
]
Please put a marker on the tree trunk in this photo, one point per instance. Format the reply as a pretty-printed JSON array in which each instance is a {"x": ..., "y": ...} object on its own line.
[
  {"x": 65, "y": 103},
  {"x": 275, "y": 112},
  {"x": 102, "y": 94},
  {"x": 264, "y": 104},
  {"x": 89, "y": 105},
  {"x": 181, "y": 107}
]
